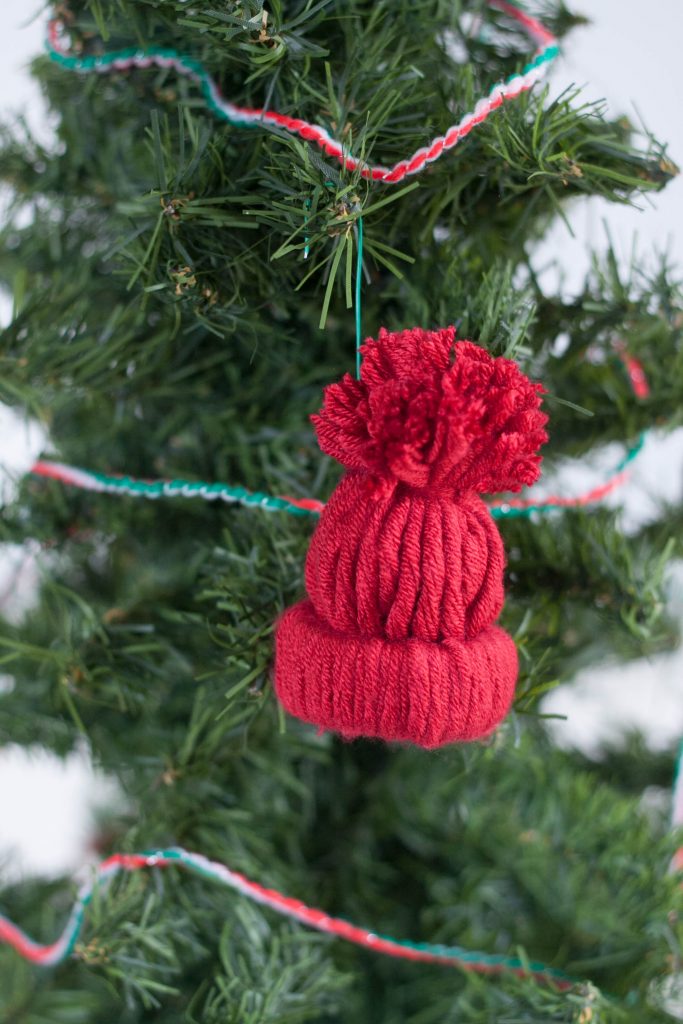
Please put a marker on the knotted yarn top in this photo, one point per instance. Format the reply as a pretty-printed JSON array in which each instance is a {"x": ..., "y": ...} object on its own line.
[
  {"x": 405, "y": 547},
  {"x": 433, "y": 412}
]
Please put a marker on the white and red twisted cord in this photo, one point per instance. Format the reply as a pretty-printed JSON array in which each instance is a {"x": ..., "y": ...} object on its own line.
[
  {"x": 51, "y": 954},
  {"x": 503, "y": 508},
  {"x": 547, "y": 50},
  {"x": 677, "y": 810},
  {"x": 500, "y": 508}
]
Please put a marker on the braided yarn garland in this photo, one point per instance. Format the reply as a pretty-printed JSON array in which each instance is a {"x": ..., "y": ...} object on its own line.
[
  {"x": 506, "y": 508},
  {"x": 54, "y": 953},
  {"x": 57, "y": 952},
  {"x": 122, "y": 60}
]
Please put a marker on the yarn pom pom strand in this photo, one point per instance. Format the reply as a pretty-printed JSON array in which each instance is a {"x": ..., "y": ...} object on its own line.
[
  {"x": 398, "y": 638},
  {"x": 433, "y": 412}
]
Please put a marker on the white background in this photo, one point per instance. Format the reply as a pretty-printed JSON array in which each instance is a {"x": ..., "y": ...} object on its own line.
[{"x": 631, "y": 60}]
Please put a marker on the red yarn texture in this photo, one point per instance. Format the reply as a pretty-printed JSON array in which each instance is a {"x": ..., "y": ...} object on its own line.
[{"x": 405, "y": 570}]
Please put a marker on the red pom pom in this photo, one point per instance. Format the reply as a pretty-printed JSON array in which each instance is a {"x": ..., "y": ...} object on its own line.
[
  {"x": 405, "y": 570},
  {"x": 433, "y": 411}
]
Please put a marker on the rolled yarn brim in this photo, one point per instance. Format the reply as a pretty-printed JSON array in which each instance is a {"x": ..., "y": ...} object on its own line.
[{"x": 411, "y": 691}]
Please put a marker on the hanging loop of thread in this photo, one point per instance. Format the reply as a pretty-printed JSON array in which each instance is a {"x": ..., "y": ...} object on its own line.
[{"x": 359, "y": 288}]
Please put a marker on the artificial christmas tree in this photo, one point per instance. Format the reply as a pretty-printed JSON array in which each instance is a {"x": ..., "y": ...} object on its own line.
[{"x": 170, "y": 290}]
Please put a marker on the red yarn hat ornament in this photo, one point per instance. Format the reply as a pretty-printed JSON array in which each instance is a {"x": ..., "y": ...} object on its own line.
[{"x": 397, "y": 639}]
